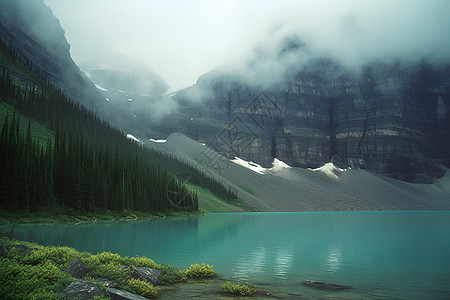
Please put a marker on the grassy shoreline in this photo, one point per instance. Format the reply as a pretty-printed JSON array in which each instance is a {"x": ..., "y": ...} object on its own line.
[
  {"x": 208, "y": 203},
  {"x": 32, "y": 271}
]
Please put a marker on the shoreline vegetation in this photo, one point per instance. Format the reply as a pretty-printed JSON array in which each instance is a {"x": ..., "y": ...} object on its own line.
[
  {"x": 208, "y": 203},
  {"x": 69, "y": 216},
  {"x": 32, "y": 271}
]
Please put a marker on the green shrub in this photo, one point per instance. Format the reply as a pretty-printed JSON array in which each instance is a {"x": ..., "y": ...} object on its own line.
[
  {"x": 116, "y": 259},
  {"x": 141, "y": 261},
  {"x": 60, "y": 256},
  {"x": 239, "y": 290},
  {"x": 31, "y": 271},
  {"x": 171, "y": 275},
  {"x": 109, "y": 258},
  {"x": 44, "y": 281},
  {"x": 141, "y": 288},
  {"x": 114, "y": 267},
  {"x": 119, "y": 274},
  {"x": 200, "y": 271}
]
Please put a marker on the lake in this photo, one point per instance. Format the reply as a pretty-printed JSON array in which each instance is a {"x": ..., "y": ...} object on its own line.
[{"x": 391, "y": 255}]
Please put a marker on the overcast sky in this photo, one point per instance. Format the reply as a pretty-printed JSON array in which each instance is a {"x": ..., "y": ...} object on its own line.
[{"x": 183, "y": 39}]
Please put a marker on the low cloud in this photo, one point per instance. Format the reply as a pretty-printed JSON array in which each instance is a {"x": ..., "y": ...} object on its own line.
[{"x": 181, "y": 40}]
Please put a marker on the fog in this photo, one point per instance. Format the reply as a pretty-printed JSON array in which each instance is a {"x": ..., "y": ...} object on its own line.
[{"x": 181, "y": 40}]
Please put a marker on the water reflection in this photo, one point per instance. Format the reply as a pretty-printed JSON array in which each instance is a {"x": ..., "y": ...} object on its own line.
[
  {"x": 401, "y": 255},
  {"x": 251, "y": 263},
  {"x": 283, "y": 262},
  {"x": 333, "y": 258}
]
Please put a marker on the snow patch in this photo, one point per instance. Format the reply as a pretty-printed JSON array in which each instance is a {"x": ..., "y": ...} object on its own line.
[
  {"x": 121, "y": 91},
  {"x": 203, "y": 144},
  {"x": 98, "y": 86},
  {"x": 134, "y": 116},
  {"x": 170, "y": 96},
  {"x": 132, "y": 137},
  {"x": 107, "y": 99},
  {"x": 249, "y": 165},
  {"x": 129, "y": 99},
  {"x": 278, "y": 165},
  {"x": 157, "y": 141},
  {"x": 330, "y": 170}
]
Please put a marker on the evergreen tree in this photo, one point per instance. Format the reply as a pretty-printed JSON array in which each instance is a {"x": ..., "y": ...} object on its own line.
[{"x": 89, "y": 165}]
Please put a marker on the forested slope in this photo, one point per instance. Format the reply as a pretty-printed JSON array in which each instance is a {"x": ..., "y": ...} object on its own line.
[{"x": 86, "y": 164}]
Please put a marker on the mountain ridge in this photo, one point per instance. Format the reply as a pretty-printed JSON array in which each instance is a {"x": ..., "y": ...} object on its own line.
[
  {"x": 31, "y": 27},
  {"x": 390, "y": 118},
  {"x": 327, "y": 188}
]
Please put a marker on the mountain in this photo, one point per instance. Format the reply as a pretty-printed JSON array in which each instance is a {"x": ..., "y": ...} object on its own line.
[
  {"x": 34, "y": 34},
  {"x": 131, "y": 93},
  {"x": 140, "y": 81},
  {"x": 383, "y": 117},
  {"x": 31, "y": 27},
  {"x": 281, "y": 187},
  {"x": 57, "y": 151},
  {"x": 388, "y": 117}
]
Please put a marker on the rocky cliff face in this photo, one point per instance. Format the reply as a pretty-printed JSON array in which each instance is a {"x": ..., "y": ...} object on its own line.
[
  {"x": 393, "y": 119},
  {"x": 31, "y": 28}
]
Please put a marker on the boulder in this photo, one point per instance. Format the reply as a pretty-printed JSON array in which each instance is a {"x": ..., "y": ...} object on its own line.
[
  {"x": 325, "y": 286},
  {"x": 146, "y": 274},
  {"x": 116, "y": 294},
  {"x": 82, "y": 289},
  {"x": 77, "y": 269}
]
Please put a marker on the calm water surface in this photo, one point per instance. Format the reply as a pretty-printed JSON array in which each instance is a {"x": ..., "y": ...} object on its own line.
[{"x": 382, "y": 255}]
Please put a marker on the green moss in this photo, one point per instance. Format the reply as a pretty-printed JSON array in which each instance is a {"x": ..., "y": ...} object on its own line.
[
  {"x": 142, "y": 288},
  {"x": 19, "y": 280},
  {"x": 239, "y": 290},
  {"x": 200, "y": 271},
  {"x": 171, "y": 275},
  {"x": 31, "y": 271}
]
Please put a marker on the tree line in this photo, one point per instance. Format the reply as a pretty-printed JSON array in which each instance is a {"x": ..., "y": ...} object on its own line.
[{"x": 89, "y": 165}]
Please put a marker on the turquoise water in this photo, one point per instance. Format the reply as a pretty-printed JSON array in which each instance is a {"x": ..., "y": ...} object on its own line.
[{"x": 381, "y": 255}]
